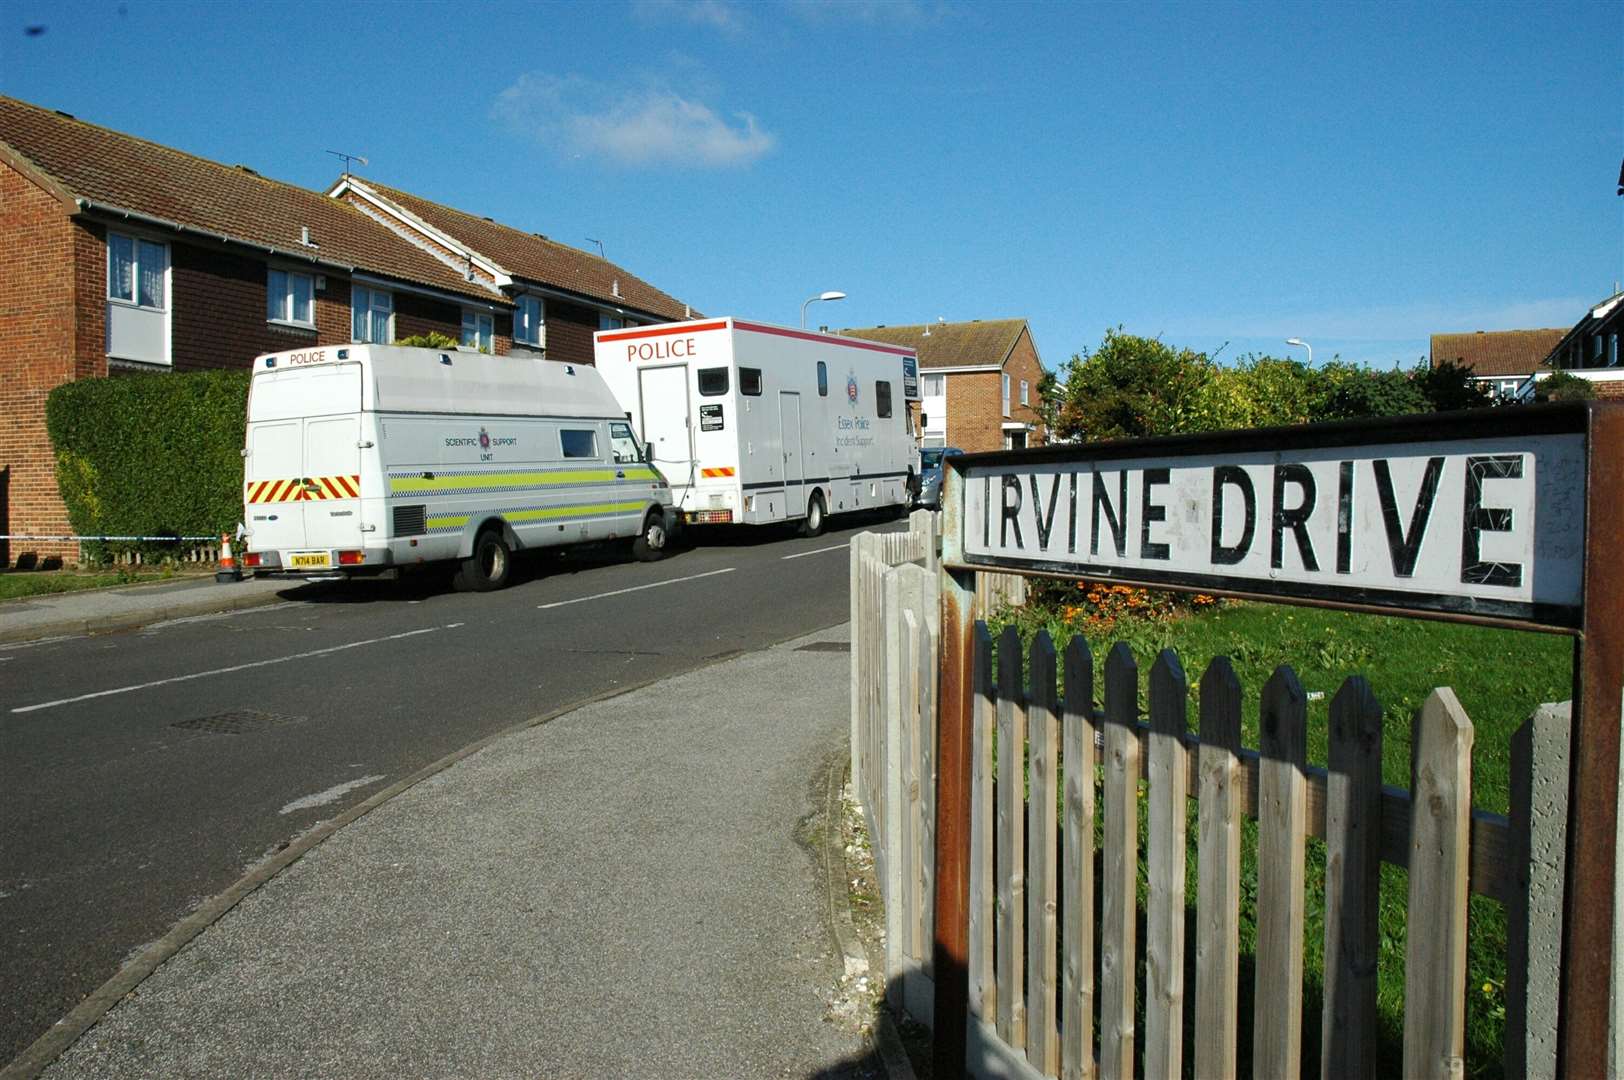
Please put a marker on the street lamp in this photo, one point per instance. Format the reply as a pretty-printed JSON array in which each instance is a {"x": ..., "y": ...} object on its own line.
[
  {"x": 1304, "y": 344},
  {"x": 814, "y": 299}
]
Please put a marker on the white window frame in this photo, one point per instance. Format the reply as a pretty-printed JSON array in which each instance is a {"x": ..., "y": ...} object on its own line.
[
  {"x": 134, "y": 299},
  {"x": 285, "y": 301},
  {"x": 927, "y": 380},
  {"x": 481, "y": 325},
  {"x": 1005, "y": 377},
  {"x": 372, "y": 295},
  {"x": 607, "y": 321},
  {"x": 1025, "y": 393},
  {"x": 538, "y": 331}
]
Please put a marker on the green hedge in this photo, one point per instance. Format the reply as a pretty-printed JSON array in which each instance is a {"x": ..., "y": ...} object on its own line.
[{"x": 150, "y": 455}]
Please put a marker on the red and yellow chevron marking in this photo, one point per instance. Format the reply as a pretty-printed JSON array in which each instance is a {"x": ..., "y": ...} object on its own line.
[
  {"x": 718, "y": 472},
  {"x": 297, "y": 489}
]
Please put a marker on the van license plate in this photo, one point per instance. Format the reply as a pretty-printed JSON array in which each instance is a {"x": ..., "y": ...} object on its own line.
[{"x": 305, "y": 560}]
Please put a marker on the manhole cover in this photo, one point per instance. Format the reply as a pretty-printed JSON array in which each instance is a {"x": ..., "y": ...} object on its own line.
[
  {"x": 239, "y": 722},
  {"x": 826, "y": 646}
]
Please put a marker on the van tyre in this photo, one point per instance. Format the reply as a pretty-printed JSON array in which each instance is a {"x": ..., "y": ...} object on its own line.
[
  {"x": 653, "y": 541},
  {"x": 813, "y": 523},
  {"x": 489, "y": 567}
]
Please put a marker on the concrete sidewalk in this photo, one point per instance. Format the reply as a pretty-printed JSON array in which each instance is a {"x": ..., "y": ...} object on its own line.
[
  {"x": 93, "y": 611},
  {"x": 621, "y": 891}
]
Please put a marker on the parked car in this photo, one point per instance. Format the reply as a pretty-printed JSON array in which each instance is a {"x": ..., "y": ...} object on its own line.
[{"x": 930, "y": 475}]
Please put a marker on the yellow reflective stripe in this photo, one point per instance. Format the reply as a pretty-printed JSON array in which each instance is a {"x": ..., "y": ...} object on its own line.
[
  {"x": 413, "y": 484},
  {"x": 451, "y": 522},
  {"x": 573, "y": 511}
]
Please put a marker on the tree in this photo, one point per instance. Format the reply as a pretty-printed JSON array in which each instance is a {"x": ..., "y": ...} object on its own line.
[
  {"x": 1448, "y": 386},
  {"x": 1132, "y": 386},
  {"x": 1375, "y": 393}
]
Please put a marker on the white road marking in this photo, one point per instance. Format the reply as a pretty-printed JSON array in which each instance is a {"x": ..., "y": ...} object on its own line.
[
  {"x": 819, "y": 551},
  {"x": 332, "y": 794},
  {"x": 635, "y": 588},
  {"x": 229, "y": 670},
  {"x": 43, "y": 641},
  {"x": 213, "y": 615}
]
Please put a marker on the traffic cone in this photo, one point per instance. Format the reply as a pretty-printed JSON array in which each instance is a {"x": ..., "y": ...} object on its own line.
[{"x": 228, "y": 565}]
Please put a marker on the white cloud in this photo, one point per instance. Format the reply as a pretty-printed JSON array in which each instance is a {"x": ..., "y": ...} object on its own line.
[
  {"x": 721, "y": 15},
  {"x": 640, "y": 127}
]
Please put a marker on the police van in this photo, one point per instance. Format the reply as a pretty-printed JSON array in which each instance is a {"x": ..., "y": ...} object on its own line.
[
  {"x": 754, "y": 424},
  {"x": 364, "y": 459}
]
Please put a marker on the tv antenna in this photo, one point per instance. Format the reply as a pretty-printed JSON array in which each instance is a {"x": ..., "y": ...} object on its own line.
[
  {"x": 601, "y": 255},
  {"x": 349, "y": 158}
]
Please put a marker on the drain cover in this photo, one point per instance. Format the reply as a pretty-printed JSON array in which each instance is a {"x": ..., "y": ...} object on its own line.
[
  {"x": 238, "y": 722},
  {"x": 826, "y": 646}
]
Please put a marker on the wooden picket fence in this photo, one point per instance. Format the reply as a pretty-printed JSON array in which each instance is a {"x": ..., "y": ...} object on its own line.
[{"x": 1066, "y": 769}]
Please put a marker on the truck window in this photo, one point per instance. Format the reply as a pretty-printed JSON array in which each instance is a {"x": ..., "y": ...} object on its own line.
[
  {"x": 823, "y": 379},
  {"x": 712, "y": 381},
  {"x": 750, "y": 381},
  {"x": 579, "y": 442},
  {"x": 623, "y": 444},
  {"x": 882, "y": 398}
]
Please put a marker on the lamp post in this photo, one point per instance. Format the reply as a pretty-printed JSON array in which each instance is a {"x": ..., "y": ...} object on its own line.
[
  {"x": 1304, "y": 344},
  {"x": 814, "y": 299}
]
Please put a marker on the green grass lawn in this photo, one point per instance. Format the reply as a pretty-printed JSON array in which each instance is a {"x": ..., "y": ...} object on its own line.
[
  {"x": 15, "y": 584},
  {"x": 1500, "y": 677}
]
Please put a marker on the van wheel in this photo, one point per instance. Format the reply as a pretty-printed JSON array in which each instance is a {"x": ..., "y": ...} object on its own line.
[
  {"x": 651, "y": 543},
  {"x": 490, "y": 567},
  {"x": 812, "y": 524}
]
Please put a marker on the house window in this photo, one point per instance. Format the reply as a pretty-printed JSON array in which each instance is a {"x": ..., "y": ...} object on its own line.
[
  {"x": 529, "y": 322},
  {"x": 823, "y": 379},
  {"x": 137, "y": 299},
  {"x": 1005, "y": 377},
  {"x": 477, "y": 330},
  {"x": 288, "y": 298},
  {"x": 1025, "y": 396},
  {"x": 372, "y": 315},
  {"x": 137, "y": 271},
  {"x": 750, "y": 381},
  {"x": 607, "y": 321},
  {"x": 882, "y": 399},
  {"x": 930, "y": 441},
  {"x": 932, "y": 386}
]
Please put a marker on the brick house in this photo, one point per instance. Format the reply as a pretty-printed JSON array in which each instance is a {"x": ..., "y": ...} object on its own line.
[
  {"x": 1499, "y": 359},
  {"x": 1590, "y": 349},
  {"x": 123, "y": 255},
  {"x": 978, "y": 382}
]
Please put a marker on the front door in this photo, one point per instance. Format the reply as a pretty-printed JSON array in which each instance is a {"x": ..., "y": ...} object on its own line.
[{"x": 663, "y": 396}]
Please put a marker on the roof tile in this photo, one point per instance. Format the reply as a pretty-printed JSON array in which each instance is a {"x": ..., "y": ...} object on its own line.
[
  {"x": 944, "y": 344},
  {"x": 109, "y": 167},
  {"x": 1497, "y": 352},
  {"x": 535, "y": 258}
]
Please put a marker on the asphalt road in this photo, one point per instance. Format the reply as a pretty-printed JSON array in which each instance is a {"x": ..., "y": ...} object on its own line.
[{"x": 143, "y": 772}]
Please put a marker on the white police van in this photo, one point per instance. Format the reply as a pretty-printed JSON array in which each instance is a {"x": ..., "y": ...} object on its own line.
[{"x": 363, "y": 459}]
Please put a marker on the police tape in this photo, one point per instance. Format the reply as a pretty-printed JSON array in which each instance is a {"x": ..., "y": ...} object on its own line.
[{"x": 122, "y": 539}]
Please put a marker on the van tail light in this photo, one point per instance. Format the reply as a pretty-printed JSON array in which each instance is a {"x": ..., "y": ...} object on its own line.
[
  {"x": 351, "y": 558},
  {"x": 250, "y": 560}
]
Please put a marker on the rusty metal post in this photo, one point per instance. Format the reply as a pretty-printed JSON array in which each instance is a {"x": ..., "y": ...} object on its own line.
[
  {"x": 956, "y": 695},
  {"x": 1598, "y": 685}
]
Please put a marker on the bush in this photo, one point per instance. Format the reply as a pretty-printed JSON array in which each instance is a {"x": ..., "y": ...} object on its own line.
[
  {"x": 150, "y": 455},
  {"x": 431, "y": 340},
  {"x": 1564, "y": 386}
]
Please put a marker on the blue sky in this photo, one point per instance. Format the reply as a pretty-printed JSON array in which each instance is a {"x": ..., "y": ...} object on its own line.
[{"x": 1358, "y": 175}]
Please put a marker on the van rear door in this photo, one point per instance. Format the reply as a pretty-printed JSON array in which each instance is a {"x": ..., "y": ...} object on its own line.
[{"x": 302, "y": 476}]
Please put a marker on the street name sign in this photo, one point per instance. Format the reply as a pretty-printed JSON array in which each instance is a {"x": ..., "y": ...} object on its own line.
[{"x": 1482, "y": 519}]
